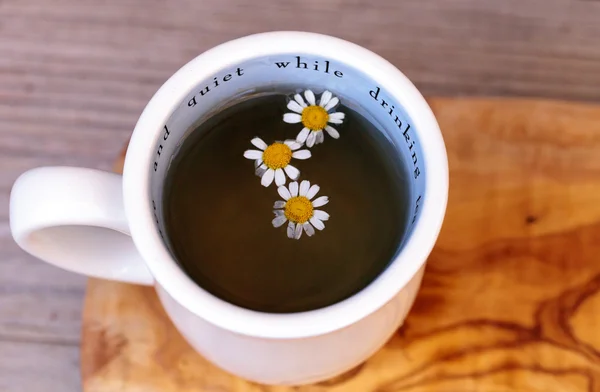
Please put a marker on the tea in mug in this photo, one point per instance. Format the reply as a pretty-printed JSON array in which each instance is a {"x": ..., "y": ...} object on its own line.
[{"x": 285, "y": 201}]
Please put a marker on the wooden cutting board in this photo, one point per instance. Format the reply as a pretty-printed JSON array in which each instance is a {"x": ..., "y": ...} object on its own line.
[{"x": 510, "y": 299}]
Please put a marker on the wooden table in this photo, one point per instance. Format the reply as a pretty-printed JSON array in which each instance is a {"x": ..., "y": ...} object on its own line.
[{"x": 76, "y": 74}]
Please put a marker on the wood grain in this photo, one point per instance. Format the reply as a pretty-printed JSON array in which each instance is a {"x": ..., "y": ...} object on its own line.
[
  {"x": 39, "y": 366},
  {"x": 76, "y": 74},
  {"x": 511, "y": 295}
]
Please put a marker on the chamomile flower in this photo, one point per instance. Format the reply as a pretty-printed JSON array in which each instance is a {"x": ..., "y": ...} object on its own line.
[
  {"x": 298, "y": 209},
  {"x": 273, "y": 160},
  {"x": 315, "y": 118}
]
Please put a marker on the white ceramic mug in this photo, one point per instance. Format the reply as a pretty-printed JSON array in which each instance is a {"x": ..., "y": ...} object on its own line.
[{"x": 104, "y": 225}]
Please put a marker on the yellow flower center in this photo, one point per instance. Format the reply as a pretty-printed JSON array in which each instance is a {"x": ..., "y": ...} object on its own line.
[
  {"x": 298, "y": 209},
  {"x": 314, "y": 117},
  {"x": 277, "y": 156}
]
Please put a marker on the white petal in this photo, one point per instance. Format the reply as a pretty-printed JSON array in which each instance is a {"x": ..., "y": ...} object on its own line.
[
  {"x": 304, "y": 187},
  {"x": 267, "y": 178},
  {"x": 321, "y": 215},
  {"x": 279, "y": 221},
  {"x": 300, "y": 100},
  {"x": 294, "y": 188},
  {"x": 337, "y": 115},
  {"x": 320, "y": 201},
  {"x": 290, "y": 229},
  {"x": 278, "y": 212},
  {"x": 253, "y": 154},
  {"x": 294, "y": 106},
  {"x": 298, "y": 231},
  {"x": 326, "y": 97},
  {"x": 310, "y": 141},
  {"x": 259, "y": 143},
  {"x": 279, "y": 177},
  {"x": 284, "y": 193},
  {"x": 281, "y": 203},
  {"x": 310, "y": 97},
  {"x": 292, "y": 144},
  {"x": 320, "y": 138},
  {"x": 332, "y": 132},
  {"x": 292, "y": 118},
  {"x": 334, "y": 101},
  {"x": 312, "y": 191},
  {"x": 301, "y": 138},
  {"x": 257, "y": 163},
  {"x": 302, "y": 154},
  {"x": 336, "y": 118},
  {"x": 308, "y": 229},
  {"x": 292, "y": 172},
  {"x": 317, "y": 223}
]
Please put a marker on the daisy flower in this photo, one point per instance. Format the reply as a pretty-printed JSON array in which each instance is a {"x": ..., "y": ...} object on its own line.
[
  {"x": 272, "y": 161},
  {"x": 314, "y": 117},
  {"x": 298, "y": 209}
]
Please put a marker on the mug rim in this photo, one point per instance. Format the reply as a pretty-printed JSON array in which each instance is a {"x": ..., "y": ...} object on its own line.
[{"x": 166, "y": 271}]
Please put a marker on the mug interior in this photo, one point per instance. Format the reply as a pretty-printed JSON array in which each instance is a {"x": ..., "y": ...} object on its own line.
[
  {"x": 371, "y": 86},
  {"x": 294, "y": 73}
]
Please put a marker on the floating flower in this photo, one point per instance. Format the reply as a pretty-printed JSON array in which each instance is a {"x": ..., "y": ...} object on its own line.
[
  {"x": 298, "y": 209},
  {"x": 272, "y": 161},
  {"x": 314, "y": 117}
]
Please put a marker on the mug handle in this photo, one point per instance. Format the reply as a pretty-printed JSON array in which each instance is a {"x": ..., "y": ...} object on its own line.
[{"x": 74, "y": 218}]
